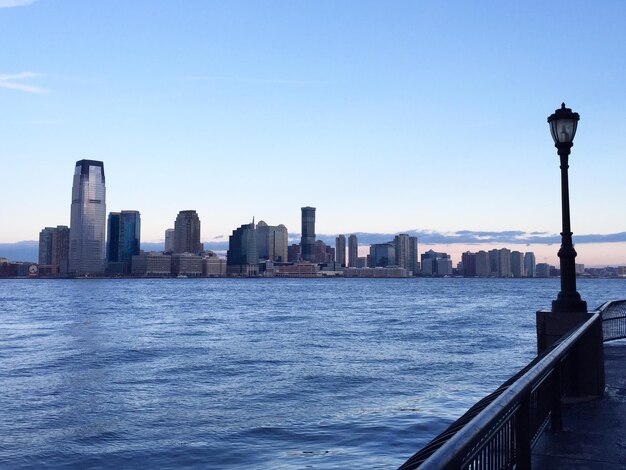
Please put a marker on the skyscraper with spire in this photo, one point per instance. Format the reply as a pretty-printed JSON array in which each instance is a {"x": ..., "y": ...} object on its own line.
[{"x": 88, "y": 219}]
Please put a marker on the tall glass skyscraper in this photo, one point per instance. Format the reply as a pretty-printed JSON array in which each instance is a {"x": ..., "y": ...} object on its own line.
[
  {"x": 88, "y": 219},
  {"x": 123, "y": 240}
]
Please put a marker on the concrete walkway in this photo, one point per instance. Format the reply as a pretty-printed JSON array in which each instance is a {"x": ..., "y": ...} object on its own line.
[{"x": 594, "y": 435}]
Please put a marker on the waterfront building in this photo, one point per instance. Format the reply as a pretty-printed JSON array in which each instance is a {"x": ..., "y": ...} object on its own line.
[
  {"x": 293, "y": 253},
  {"x": 413, "y": 265},
  {"x": 123, "y": 241},
  {"x": 272, "y": 242},
  {"x": 517, "y": 264},
  {"x": 242, "y": 258},
  {"x": 504, "y": 262},
  {"x": 340, "y": 249},
  {"x": 54, "y": 245},
  {"x": 151, "y": 264},
  {"x": 529, "y": 264},
  {"x": 542, "y": 270},
  {"x": 87, "y": 219},
  {"x": 169, "y": 240},
  {"x": 436, "y": 264},
  {"x": 187, "y": 233},
  {"x": 482, "y": 264},
  {"x": 186, "y": 265},
  {"x": 402, "y": 247},
  {"x": 376, "y": 272},
  {"x": 362, "y": 262},
  {"x": 580, "y": 268},
  {"x": 323, "y": 252},
  {"x": 353, "y": 251},
  {"x": 212, "y": 266},
  {"x": 382, "y": 255},
  {"x": 468, "y": 261},
  {"x": 307, "y": 243}
]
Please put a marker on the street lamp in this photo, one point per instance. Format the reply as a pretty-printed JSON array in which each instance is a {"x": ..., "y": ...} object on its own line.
[{"x": 563, "y": 124}]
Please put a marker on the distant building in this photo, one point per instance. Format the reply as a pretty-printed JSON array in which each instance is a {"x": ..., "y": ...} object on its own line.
[
  {"x": 517, "y": 264},
  {"x": 580, "y": 268},
  {"x": 323, "y": 252},
  {"x": 187, "y": 233},
  {"x": 152, "y": 264},
  {"x": 88, "y": 219},
  {"x": 272, "y": 242},
  {"x": 483, "y": 266},
  {"x": 123, "y": 241},
  {"x": 54, "y": 246},
  {"x": 542, "y": 270},
  {"x": 436, "y": 264},
  {"x": 353, "y": 251},
  {"x": 307, "y": 243},
  {"x": 186, "y": 264},
  {"x": 362, "y": 261},
  {"x": 212, "y": 266},
  {"x": 340, "y": 249},
  {"x": 169, "y": 240},
  {"x": 504, "y": 262},
  {"x": 382, "y": 255},
  {"x": 413, "y": 265},
  {"x": 294, "y": 253},
  {"x": 529, "y": 264},
  {"x": 242, "y": 258},
  {"x": 376, "y": 272},
  {"x": 402, "y": 249},
  {"x": 468, "y": 261}
]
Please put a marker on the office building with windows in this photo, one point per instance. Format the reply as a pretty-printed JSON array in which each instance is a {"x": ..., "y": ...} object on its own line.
[
  {"x": 307, "y": 243},
  {"x": 353, "y": 251},
  {"x": 54, "y": 245},
  {"x": 340, "y": 250},
  {"x": 123, "y": 241},
  {"x": 242, "y": 258},
  {"x": 187, "y": 233},
  {"x": 87, "y": 220},
  {"x": 272, "y": 242}
]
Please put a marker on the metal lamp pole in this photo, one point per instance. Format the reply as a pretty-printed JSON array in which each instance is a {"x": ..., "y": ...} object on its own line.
[{"x": 563, "y": 124}]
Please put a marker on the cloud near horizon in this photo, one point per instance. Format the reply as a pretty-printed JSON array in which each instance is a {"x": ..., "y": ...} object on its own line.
[{"x": 12, "y": 82}]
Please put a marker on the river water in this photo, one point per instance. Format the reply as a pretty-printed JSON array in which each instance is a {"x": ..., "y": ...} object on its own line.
[{"x": 254, "y": 373}]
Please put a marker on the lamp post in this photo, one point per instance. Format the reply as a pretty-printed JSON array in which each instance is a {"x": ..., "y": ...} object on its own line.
[{"x": 563, "y": 125}]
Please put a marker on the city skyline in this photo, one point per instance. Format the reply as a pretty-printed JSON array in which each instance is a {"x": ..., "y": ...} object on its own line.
[{"x": 173, "y": 98}]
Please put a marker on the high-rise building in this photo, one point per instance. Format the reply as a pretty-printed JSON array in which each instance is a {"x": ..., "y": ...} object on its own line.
[
  {"x": 483, "y": 268},
  {"x": 272, "y": 242},
  {"x": 307, "y": 243},
  {"x": 340, "y": 250},
  {"x": 353, "y": 251},
  {"x": 468, "y": 259},
  {"x": 504, "y": 262},
  {"x": 242, "y": 258},
  {"x": 123, "y": 240},
  {"x": 54, "y": 245},
  {"x": 529, "y": 264},
  {"x": 517, "y": 264},
  {"x": 436, "y": 264},
  {"x": 382, "y": 255},
  {"x": 187, "y": 233},
  {"x": 169, "y": 240},
  {"x": 323, "y": 252},
  {"x": 88, "y": 219},
  {"x": 413, "y": 266}
]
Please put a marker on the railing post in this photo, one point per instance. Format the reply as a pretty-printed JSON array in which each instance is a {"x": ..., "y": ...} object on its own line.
[
  {"x": 522, "y": 434},
  {"x": 556, "y": 415}
]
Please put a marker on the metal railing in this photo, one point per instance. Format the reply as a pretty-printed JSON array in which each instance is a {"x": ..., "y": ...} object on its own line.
[
  {"x": 501, "y": 429},
  {"x": 613, "y": 320}
]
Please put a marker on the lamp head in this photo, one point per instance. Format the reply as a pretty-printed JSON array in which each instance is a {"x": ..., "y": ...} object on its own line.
[{"x": 563, "y": 124}]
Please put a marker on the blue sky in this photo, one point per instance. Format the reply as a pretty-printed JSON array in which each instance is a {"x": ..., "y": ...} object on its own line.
[{"x": 387, "y": 116}]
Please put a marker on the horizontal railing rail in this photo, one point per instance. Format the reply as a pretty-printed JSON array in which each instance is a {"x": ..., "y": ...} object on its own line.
[
  {"x": 613, "y": 319},
  {"x": 501, "y": 429}
]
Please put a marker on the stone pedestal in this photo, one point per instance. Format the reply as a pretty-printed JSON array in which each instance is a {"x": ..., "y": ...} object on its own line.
[{"x": 586, "y": 377}]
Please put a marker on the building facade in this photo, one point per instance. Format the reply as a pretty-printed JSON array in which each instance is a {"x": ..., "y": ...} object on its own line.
[
  {"x": 123, "y": 240},
  {"x": 54, "y": 246},
  {"x": 242, "y": 258},
  {"x": 169, "y": 240},
  {"x": 307, "y": 243},
  {"x": 382, "y": 255},
  {"x": 272, "y": 242},
  {"x": 530, "y": 264},
  {"x": 353, "y": 251},
  {"x": 187, "y": 233},
  {"x": 340, "y": 250},
  {"x": 87, "y": 219}
]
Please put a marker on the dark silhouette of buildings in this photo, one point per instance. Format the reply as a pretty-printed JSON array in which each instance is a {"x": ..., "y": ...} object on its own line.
[
  {"x": 54, "y": 245},
  {"x": 123, "y": 241},
  {"x": 340, "y": 250},
  {"x": 353, "y": 251},
  {"x": 242, "y": 258}
]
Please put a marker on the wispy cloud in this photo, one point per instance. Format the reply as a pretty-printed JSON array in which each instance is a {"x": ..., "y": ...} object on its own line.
[
  {"x": 14, "y": 82},
  {"x": 15, "y": 3}
]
